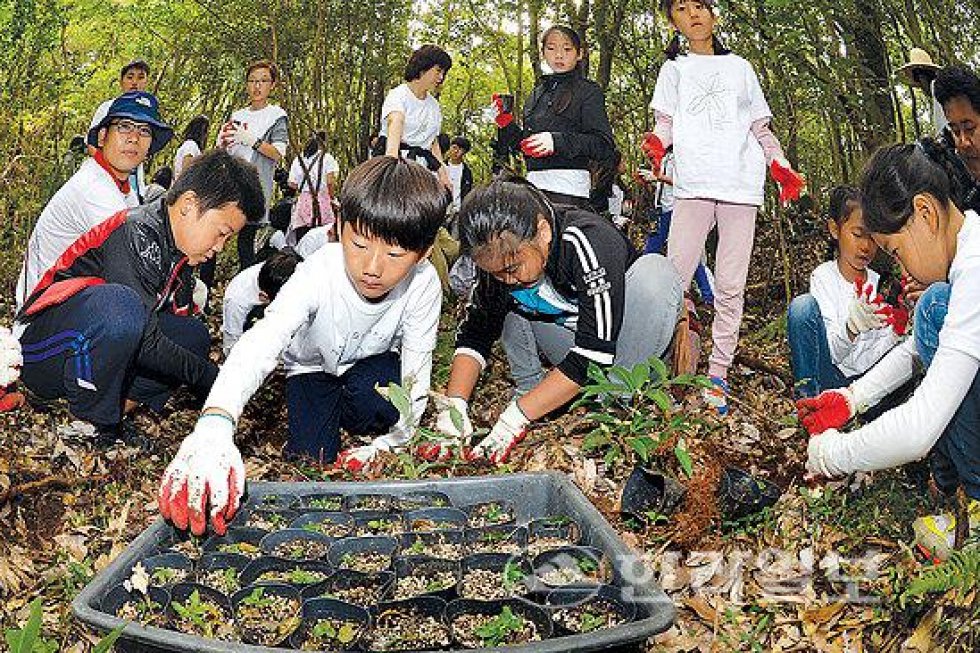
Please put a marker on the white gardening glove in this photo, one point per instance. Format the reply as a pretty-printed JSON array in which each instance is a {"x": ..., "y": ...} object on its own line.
[
  {"x": 816, "y": 461},
  {"x": 863, "y": 311},
  {"x": 456, "y": 436},
  {"x": 539, "y": 145},
  {"x": 11, "y": 358},
  {"x": 509, "y": 430},
  {"x": 200, "y": 294},
  {"x": 206, "y": 477},
  {"x": 246, "y": 137},
  {"x": 355, "y": 459}
]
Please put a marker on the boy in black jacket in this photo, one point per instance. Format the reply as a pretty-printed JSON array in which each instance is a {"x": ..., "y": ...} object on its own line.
[{"x": 108, "y": 326}]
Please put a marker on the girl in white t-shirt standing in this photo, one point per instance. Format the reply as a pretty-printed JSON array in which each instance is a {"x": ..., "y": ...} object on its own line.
[
  {"x": 709, "y": 104},
  {"x": 314, "y": 174},
  {"x": 411, "y": 117},
  {"x": 195, "y": 137}
]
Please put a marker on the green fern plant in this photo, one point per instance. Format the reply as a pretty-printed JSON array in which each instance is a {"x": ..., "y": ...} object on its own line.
[{"x": 961, "y": 572}]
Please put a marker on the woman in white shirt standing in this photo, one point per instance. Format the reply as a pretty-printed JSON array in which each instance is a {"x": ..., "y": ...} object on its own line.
[
  {"x": 195, "y": 136},
  {"x": 313, "y": 174},
  {"x": 909, "y": 211}
]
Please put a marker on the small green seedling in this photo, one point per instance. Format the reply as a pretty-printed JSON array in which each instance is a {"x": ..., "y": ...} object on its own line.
[
  {"x": 257, "y": 599},
  {"x": 589, "y": 622},
  {"x": 417, "y": 548},
  {"x": 303, "y": 576},
  {"x": 324, "y": 629},
  {"x": 513, "y": 575},
  {"x": 498, "y": 630},
  {"x": 587, "y": 565},
  {"x": 165, "y": 575},
  {"x": 203, "y": 614}
]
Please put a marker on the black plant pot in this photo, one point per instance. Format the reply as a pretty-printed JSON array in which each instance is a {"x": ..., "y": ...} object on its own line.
[
  {"x": 253, "y": 572},
  {"x": 222, "y": 561},
  {"x": 266, "y": 519},
  {"x": 416, "y": 566},
  {"x": 740, "y": 494},
  {"x": 273, "y": 501},
  {"x": 181, "y": 592},
  {"x": 649, "y": 491},
  {"x": 339, "y": 550},
  {"x": 572, "y": 558},
  {"x": 533, "y": 613},
  {"x": 332, "y": 524},
  {"x": 119, "y": 596},
  {"x": 342, "y": 581},
  {"x": 326, "y": 501},
  {"x": 420, "y": 544},
  {"x": 393, "y": 617},
  {"x": 427, "y": 520},
  {"x": 544, "y": 529},
  {"x": 496, "y": 539},
  {"x": 316, "y": 609},
  {"x": 250, "y": 537},
  {"x": 477, "y": 516},
  {"x": 274, "y": 543},
  {"x": 422, "y": 499},
  {"x": 497, "y": 564},
  {"x": 576, "y": 598},
  {"x": 378, "y": 523},
  {"x": 177, "y": 561},
  {"x": 288, "y": 592},
  {"x": 373, "y": 502}
]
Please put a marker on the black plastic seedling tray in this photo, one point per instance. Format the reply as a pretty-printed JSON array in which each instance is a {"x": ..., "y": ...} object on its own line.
[{"x": 532, "y": 495}]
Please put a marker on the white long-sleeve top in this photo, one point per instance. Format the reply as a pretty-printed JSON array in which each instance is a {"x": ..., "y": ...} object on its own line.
[
  {"x": 341, "y": 329},
  {"x": 908, "y": 432},
  {"x": 834, "y": 295}
]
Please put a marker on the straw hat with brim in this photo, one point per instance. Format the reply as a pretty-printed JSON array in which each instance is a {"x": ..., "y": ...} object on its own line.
[
  {"x": 919, "y": 61},
  {"x": 138, "y": 106}
]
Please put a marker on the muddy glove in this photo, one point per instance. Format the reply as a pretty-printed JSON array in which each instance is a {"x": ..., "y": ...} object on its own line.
[
  {"x": 206, "y": 477},
  {"x": 507, "y": 433},
  {"x": 790, "y": 182},
  {"x": 502, "y": 116},
  {"x": 246, "y": 137},
  {"x": 538, "y": 145},
  {"x": 453, "y": 422},
  {"x": 816, "y": 464},
  {"x": 831, "y": 409},
  {"x": 654, "y": 150},
  {"x": 863, "y": 311}
]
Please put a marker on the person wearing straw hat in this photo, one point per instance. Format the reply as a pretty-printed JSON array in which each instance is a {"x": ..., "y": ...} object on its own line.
[{"x": 920, "y": 72}]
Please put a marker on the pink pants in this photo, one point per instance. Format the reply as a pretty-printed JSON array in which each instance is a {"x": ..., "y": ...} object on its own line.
[{"x": 693, "y": 219}]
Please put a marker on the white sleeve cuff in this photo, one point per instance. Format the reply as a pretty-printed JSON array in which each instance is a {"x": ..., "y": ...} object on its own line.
[{"x": 474, "y": 354}]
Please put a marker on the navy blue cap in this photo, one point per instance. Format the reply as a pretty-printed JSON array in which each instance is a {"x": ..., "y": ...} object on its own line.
[{"x": 138, "y": 106}]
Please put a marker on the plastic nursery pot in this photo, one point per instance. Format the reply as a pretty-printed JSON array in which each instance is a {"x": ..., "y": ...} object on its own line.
[
  {"x": 353, "y": 587},
  {"x": 647, "y": 491},
  {"x": 191, "y": 546},
  {"x": 222, "y": 571},
  {"x": 411, "y": 625},
  {"x": 330, "y": 625},
  {"x": 449, "y": 545},
  {"x": 296, "y": 544},
  {"x": 203, "y": 611},
  {"x": 490, "y": 513},
  {"x": 740, "y": 494},
  {"x": 267, "y": 614},
  {"x": 328, "y": 501},
  {"x": 165, "y": 569},
  {"x": 423, "y": 499},
  {"x": 425, "y": 577},
  {"x": 552, "y": 533},
  {"x": 332, "y": 524},
  {"x": 576, "y": 610},
  {"x": 148, "y": 609},
  {"x": 298, "y": 573},
  {"x": 370, "y": 502},
  {"x": 374, "y": 522},
  {"x": 244, "y": 541},
  {"x": 266, "y": 519},
  {"x": 273, "y": 501},
  {"x": 365, "y": 554},
  {"x": 509, "y": 622},
  {"x": 496, "y": 539},
  {"x": 427, "y": 520},
  {"x": 494, "y": 576},
  {"x": 570, "y": 566}
]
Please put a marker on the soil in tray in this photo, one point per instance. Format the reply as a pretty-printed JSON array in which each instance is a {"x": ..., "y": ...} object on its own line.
[
  {"x": 425, "y": 525},
  {"x": 267, "y": 520},
  {"x": 487, "y": 631},
  {"x": 495, "y": 541},
  {"x": 267, "y": 619},
  {"x": 490, "y": 514},
  {"x": 330, "y": 503},
  {"x": 368, "y": 502},
  {"x": 292, "y": 576},
  {"x": 583, "y": 571},
  {"x": 434, "y": 548},
  {"x": 163, "y": 576},
  {"x": 328, "y": 528},
  {"x": 548, "y": 542},
  {"x": 594, "y": 615},
  {"x": 365, "y": 594},
  {"x": 144, "y": 611},
  {"x": 369, "y": 562},
  {"x": 407, "y": 629},
  {"x": 301, "y": 549},
  {"x": 223, "y": 579},
  {"x": 423, "y": 581},
  {"x": 203, "y": 617},
  {"x": 191, "y": 547},
  {"x": 380, "y": 526},
  {"x": 331, "y": 634},
  {"x": 493, "y": 585},
  {"x": 247, "y": 549}
]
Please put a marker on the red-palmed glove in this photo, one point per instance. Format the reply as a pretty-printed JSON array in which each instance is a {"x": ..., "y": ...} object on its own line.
[
  {"x": 654, "y": 150},
  {"x": 506, "y": 434},
  {"x": 206, "y": 477},
  {"x": 790, "y": 182},
  {"x": 831, "y": 409},
  {"x": 11, "y": 360},
  {"x": 538, "y": 145},
  {"x": 895, "y": 317},
  {"x": 503, "y": 118}
]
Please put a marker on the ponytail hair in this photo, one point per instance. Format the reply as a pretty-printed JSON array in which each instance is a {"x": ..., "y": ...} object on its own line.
[{"x": 674, "y": 47}]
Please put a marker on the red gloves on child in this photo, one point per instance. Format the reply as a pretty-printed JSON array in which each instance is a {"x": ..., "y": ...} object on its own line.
[
  {"x": 790, "y": 182},
  {"x": 503, "y": 117}
]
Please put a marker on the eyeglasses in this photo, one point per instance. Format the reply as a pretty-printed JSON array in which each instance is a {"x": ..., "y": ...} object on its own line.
[
  {"x": 259, "y": 81},
  {"x": 125, "y": 128}
]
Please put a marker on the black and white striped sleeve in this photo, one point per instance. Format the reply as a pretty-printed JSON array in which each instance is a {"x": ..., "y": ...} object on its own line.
[{"x": 598, "y": 267}]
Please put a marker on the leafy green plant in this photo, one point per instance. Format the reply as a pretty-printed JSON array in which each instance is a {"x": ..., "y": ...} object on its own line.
[
  {"x": 960, "y": 572},
  {"x": 587, "y": 565},
  {"x": 498, "y": 630},
  {"x": 324, "y": 629},
  {"x": 513, "y": 575},
  {"x": 302, "y": 576},
  {"x": 589, "y": 622},
  {"x": 417, "y": 548},
  {"x": 202, "y": 613},
  {"x": 29, "y": 640},
  {"x": 633, "y": 413},
  {"x": 165, "y": 575}
]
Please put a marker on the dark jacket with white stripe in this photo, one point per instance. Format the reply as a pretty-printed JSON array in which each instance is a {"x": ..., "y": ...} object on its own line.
[
  {"x": 134, "y": 248},
  {"x": 586, "y": 267}
]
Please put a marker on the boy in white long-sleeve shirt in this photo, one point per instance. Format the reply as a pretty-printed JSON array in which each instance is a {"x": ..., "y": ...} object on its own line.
[
  {"x": 370, "y": 309},
  {"x": 908, "y": 209}
]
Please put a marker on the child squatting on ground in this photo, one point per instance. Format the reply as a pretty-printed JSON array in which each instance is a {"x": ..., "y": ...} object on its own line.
[
  {"x": 346, "y": 308},
  {"x": 907, "y": 209}
]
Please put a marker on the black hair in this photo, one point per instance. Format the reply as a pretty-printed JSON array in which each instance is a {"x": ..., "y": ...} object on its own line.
[
  {"x": 317, "y": 141},
  {"x": 163, "y": 177},
  {"x": 566, "y": 31},
  {"x": 462, "y": 143},
  {"x": 444, "y": 143},
  {"x": 842, "y": 202},
  {"x": 957, "y": 81},
  {"x": 263, "y": 63},
  {"x": 497, "y": 218},
  {"x": 77, "y": 144},
  {"x": 426, "y": 57},
  {"x": 218, "y": 178},
  {"x": 891, "y": 180},
  {"x": 197, "y": 131},
  {"x": 276, "y": 271},
  {"x": 137, "y": 64},
  {"x": 396, "y": 200},
  {"x": 674, "y": 49}
]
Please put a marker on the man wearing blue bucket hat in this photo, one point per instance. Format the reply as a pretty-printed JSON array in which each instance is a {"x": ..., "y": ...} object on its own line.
[{"x": 130, "y": 131}]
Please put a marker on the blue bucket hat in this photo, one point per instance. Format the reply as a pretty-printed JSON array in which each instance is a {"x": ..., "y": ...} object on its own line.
[{"x": 139, "y": 106}]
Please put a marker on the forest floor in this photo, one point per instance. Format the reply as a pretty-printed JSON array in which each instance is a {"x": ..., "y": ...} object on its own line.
[{"x": 822, "y": 570}]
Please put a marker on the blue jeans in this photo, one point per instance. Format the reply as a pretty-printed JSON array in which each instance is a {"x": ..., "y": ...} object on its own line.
[
  {"x": 657, "y": 241},
  {"x": 813, "y": 368},
  {"x": 320, "y": 404},
  {"x": 955, "y": 458}
]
